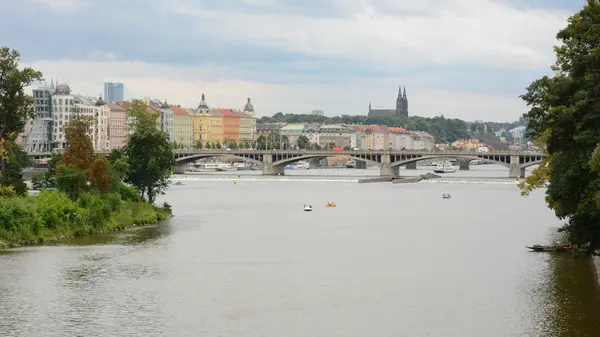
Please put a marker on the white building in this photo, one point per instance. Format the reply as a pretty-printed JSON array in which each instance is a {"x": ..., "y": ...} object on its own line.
[
  {"x": 54, "y": 108},
  {"x": 165, "y": 120},
  {"x": 98, "y": 115}
]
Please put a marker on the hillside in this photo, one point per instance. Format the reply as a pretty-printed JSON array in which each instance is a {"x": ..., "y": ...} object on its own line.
[{"x": 445, "y": 130}]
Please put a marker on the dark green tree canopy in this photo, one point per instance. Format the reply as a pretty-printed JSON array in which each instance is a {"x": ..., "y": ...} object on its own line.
[{"x": 565, "y": 116}]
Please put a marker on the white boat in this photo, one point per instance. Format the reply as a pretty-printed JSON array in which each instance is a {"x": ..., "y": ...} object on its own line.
[
  {"x": 445, "y": 167},
  {"x": 307, "y": 208}
]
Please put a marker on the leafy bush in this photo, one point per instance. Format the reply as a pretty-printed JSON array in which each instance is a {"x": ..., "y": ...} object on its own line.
[
  {"x": 55, "y": 209},
  {"x": 7, "y": 192},
  {"x": 18, "y": 220},
  {"x": 129, "y": 193}
]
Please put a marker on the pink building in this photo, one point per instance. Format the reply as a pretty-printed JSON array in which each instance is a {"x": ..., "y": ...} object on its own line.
[
  {"x": 22, "y": 137},
  {"x": 117, "y": 126}
]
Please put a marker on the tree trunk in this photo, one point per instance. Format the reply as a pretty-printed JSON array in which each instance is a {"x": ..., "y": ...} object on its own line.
[{"x": 593, "y": 246}]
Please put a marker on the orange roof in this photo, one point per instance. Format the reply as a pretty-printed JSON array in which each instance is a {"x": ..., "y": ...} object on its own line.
[
  {"x": 399, "y": 130},
  {"x": 226, "y": 113},
  {"x": 178, "y": 111},
  {"x": 378, "y": 128}
]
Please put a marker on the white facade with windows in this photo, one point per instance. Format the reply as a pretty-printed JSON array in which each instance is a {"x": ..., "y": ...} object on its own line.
[{"x": 54, "y": 108}]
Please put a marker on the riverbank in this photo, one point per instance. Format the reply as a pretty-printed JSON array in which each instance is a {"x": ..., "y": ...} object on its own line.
[
  {"x": 596, "y": 260},
  {"x": 52, "y": 216}
]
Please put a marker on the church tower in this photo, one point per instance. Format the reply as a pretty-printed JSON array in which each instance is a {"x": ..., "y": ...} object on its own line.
[{"x": 402, "y": 103}]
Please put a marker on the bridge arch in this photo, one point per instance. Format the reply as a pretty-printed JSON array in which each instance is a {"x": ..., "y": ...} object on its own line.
[
  {"x": 287, "y": 161},
  {"x": 531, "y": 163},
  {"x": 257, "y": 159},
  {"x": 474, "y": 157}
]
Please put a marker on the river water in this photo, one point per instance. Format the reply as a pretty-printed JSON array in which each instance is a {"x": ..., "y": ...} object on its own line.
[{"x": 243, "y": 259}]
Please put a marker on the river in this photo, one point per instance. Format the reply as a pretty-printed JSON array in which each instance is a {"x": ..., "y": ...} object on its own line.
[{"x": 243, "y": 259}]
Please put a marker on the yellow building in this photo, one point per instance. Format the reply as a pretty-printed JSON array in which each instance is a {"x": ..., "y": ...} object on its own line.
[
  {"x": 183, "y": 127},
  {"x": 208, "y": 127}
]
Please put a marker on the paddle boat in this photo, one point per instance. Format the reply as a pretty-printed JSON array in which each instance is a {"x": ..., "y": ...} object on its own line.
[
  {"x": 555, "y": 247},
  {"x": 330, "y": 204},
  {"x": 308, "y": 208},
  {"x": 446, "y": 196},
  {"x": 179, "y": 183}
]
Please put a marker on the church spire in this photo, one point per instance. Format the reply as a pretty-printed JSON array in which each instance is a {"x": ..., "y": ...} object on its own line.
[
  {"x": 404, "y": 94},
  {"x": 399, "y": 91},
  {"x": 369, "y": 105}
]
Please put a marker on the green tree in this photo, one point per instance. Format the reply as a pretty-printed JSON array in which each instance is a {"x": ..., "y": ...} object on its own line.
[
  {"x": 198, "y": 145},
  {"x": 303, "y": 142},
  {"x": 246, "y": 145},
  {"x": 564, "y": 118},
  {"x": 16, "y": 160},
  {"x": 218, "y": 145},
  {"x": 149, "y": 152},
  {"x": 233, "y": 145},
  {"x": 208, "y": 146},
  {"x": 15, "y": 105}
]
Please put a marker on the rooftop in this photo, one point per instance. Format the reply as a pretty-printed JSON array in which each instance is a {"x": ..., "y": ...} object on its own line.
[
  {"x": 179, "y": 111},
  {"x": 226, "y": 113},
  {"x": 293, "y": 127}
]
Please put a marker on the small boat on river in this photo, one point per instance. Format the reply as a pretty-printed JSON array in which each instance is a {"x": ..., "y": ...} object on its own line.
[
  {"x": 179, "y": 183},
  {"x": 551, "y": 248},
  {"x": 445, "y": 167},
  {"x": 446, "y": 196},
  {"x": 307, "y": 208}
]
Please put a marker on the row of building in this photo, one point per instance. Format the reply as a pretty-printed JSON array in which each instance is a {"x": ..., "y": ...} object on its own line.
[
  {"x": 191, "y": 127},
  {"x": 55, "y": 106},
  {"x": 373, "y": 137}
]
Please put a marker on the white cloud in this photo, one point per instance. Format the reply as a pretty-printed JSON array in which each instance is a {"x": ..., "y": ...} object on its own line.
[
  {"x": 392, "y": 34},
  {"x": 184, "y": 85},
  {"x": 63, "y": 6}
]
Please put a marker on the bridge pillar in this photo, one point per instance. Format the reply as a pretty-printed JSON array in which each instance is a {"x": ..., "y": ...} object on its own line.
[
  {"x": 386, "y": 169},
  {"x": 268, "y": 169},
  {"x": 179, "y": 168},
  {"x": 515, "y": 170},
  {"x": 361, "y": 164},
  {"x": 411, "y": 166},
  {"x": 463, "y": 164}
]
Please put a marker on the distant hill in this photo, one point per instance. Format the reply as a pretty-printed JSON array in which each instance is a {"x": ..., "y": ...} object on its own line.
[{"x": 445, "y": 130}]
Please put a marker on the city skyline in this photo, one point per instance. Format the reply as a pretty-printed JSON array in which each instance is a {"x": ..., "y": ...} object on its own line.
[{"x": 292, "y": 58}]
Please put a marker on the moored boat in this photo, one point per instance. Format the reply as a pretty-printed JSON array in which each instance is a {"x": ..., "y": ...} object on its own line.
[
  {"x": 307, "y": 208},
  {"x": 551, "y": 248},
  {"x": 445, "y": 167}
]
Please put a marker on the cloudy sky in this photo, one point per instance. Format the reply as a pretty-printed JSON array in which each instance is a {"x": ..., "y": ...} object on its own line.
[{"x": 468, "y": 59}]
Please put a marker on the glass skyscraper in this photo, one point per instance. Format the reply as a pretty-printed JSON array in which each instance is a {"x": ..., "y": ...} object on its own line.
[{"x": 113, "y": 92}]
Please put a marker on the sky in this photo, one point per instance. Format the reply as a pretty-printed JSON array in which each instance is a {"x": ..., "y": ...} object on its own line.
[{"x": 467, "y": 59}]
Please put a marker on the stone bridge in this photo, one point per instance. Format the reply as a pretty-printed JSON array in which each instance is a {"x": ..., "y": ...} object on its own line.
[{"x": 274, "y": 161}]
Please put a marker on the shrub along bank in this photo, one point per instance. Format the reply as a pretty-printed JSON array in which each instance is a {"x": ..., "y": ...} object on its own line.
[
  {"x": 52, "y": 215},
  {"x": 83, "y": 194}
]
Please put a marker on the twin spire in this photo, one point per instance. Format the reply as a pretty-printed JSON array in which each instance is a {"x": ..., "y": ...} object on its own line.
[{"x": 401, "y": 92}]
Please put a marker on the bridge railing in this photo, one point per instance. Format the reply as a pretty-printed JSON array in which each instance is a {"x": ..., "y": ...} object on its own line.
[{"x": 333, "y": 153}]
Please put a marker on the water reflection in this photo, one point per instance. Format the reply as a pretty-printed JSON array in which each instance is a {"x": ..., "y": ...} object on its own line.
[
  {"x": 131, "y": 236},
  {"x": 574, "y": 297}
]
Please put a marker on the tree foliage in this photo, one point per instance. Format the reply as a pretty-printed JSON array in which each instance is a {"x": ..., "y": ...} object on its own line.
[
  {"x": 16, "y": 160},
  {"x": 564, "y": 115},
  {"x": 445, "y": 130},
  {"x": 78, "y": 169},
  {"x": 80, "y": 151},
  {"x": 15, "y": 105},
  {"x": 149, "y": 153}
]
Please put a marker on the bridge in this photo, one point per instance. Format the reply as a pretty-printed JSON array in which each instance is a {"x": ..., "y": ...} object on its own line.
[{"x": 274, "y": 161}]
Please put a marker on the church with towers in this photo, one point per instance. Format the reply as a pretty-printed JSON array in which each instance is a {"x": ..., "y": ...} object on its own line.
[{"x": 401, "y": 107}]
